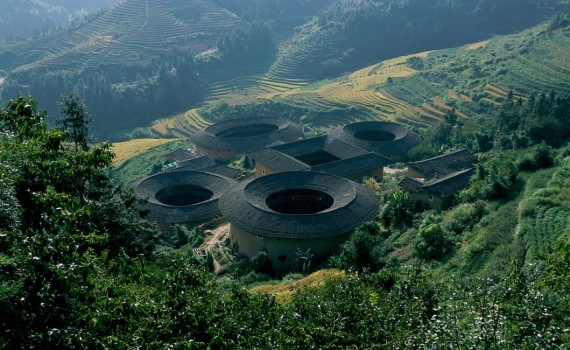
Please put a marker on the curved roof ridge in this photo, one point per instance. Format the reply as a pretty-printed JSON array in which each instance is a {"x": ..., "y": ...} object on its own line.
[{"x": 245, "y": 206}]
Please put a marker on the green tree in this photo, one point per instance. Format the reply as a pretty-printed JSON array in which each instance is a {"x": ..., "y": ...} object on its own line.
[
  {"x": 362, "y": 253},
  {"x": 75, "y": 119},
  {"x": 261, "y": 263},
  {"x": 247, "y": 164},
  {"x": 431, "y": 243},
  {"x": 397, "y": 209}
]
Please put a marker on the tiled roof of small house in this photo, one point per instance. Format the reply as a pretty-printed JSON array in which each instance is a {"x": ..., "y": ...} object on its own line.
[
  {"x": 442, "y": 187},
  {"x": 411, "y": 184},
  {"x": 245, "y": 206},
  {"x": 278, "y": 130},
  {"x": 276, "y": 160},
  {"x": 450, "y": 184},
  {"x": 447, "y": 160},
  {"x": 180, "y": 154},
  {"x": 354, "y": 165},
  {"x": 441, "y": 170},
  {"x": 364, "y": 135}
]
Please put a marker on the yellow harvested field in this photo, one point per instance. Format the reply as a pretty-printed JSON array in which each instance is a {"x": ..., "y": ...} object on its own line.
[
  {"x": 431, "y": 109},
  {"x": 491, "y": 101},
  {"x": 466, "y": 98},
  {"x": 425, "y": 114},
  {"x": 439, "y": 102},
  {"x": 492, "y": 93},
  {"x": 453, "y": 95},
  {"x": 403, "y": 59},
  {"x": 164, "y": 125},
  {"x": 311, "y": 280},
  {"x": 478, "y": 45},
  {"x": 496, "y": 90},
  {"x": 195, "y": 120},
  {"x": 129, "y": 149}
]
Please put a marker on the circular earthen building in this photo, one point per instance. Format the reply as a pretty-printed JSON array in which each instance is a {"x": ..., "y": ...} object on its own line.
[
  {"x": 387, "y": 139},
  {"x": 227, "y": 139},
  {"x": 183, "y": 197},
  {"x": 285, "y": 212}
]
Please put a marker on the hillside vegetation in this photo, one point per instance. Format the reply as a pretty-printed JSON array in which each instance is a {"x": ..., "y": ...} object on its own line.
[
  {"x": 138, "y": 53},
  {"x": 80, "y": 266},
  {"x": 420, "y": 90}
]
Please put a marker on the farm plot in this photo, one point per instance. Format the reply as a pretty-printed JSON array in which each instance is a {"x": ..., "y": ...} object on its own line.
[{"x": 132, "y": 148}]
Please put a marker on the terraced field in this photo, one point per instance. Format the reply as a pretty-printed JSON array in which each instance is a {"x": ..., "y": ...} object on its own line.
[
  {"x": 129, "y": 30},
  {"x": 132, "y": 148},
  {"x": 182, "y": 125}
]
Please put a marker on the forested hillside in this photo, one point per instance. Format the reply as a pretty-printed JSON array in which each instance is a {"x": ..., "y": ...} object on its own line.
[
  {"x": 352, "y": 34},
  {"x": 24, "y": 19},
  {"x": 118, "y": 57}
]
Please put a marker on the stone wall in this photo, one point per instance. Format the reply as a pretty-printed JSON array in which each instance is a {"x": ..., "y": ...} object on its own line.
[{"x": 282, "y": 251}]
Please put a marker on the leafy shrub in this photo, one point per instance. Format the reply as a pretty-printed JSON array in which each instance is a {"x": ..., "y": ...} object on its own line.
[
  {"x": 397, "y": 209},
  {"x": 303, "y": 261},
  {"x": 261, "y": 262},
  {"x": 431, "y": 243},
  {"x": 465, "y": 216},
  {"x": 540, "y": 156},
  {"x": 240, "y": 268}
]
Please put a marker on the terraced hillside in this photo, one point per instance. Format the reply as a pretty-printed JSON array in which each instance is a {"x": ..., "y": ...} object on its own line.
[{"x": 130, "y": 30}]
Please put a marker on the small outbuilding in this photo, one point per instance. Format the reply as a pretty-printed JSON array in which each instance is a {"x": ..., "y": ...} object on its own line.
[
  {"x": 179, "y": 155},
  {"x": 437, "y": 194},
  {"x": 388, "y": 139},
  {"x": 428, "y": 169},
  {"x": 225, "y": 140},
  {"x": 286, "y": 212}
]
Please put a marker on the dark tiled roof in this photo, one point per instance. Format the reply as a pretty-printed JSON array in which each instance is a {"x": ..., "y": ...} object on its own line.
[
  {"x": 181, "y": 155},
  {"x": 333, "y": 146},
  {"x": 160, "y": 212},
  {"x": 355, "y": 165},
  {"x": 411, "y": 184},
  {"x": 449, "y": 184},
  {"x": 276, "y": 160},
  {"x": 404, "y": 139},
  {"x": 447, "y": 160},
  {"x": 194, "y": 164},
  {"x": 222, "y": 170},
  {"x": 207, "y": 138},
  {"x": 442, "y": 187},
  {"x": 245, "y": 206},
  {"x": 441, "y": 170}
]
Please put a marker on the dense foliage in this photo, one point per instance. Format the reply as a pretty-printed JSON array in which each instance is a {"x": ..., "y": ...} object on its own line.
[{"x": 76, "y": 270}]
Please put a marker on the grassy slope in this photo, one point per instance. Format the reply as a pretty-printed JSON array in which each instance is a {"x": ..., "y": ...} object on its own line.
[{"x": 139, "y": 166}]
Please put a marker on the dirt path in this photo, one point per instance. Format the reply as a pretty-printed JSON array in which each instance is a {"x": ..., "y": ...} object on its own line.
[{"x": 219, "y": 232}]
